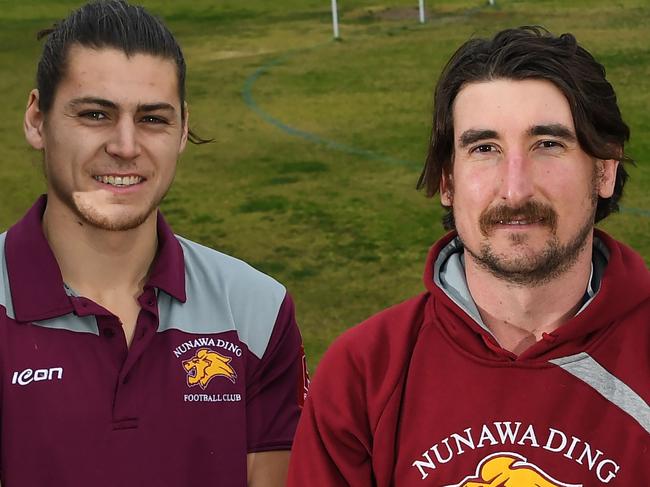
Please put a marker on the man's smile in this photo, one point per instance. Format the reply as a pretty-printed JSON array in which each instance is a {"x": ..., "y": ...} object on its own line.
[{"x": 119, "y": 181}]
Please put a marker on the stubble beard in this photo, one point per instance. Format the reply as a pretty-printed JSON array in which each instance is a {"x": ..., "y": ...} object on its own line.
[
  {"x": 90, "y": 214},
  {"x": 116, "y": 223},
  {"x": 539, "y": 268}
]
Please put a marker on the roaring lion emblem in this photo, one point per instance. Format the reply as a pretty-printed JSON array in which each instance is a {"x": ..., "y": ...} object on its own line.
[
  {"x": 509, "y": 470},
  {"x": 205, "y": 365}
]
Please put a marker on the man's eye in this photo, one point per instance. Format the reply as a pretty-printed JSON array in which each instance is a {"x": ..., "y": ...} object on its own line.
[
  {"x": 153, "y": 119},
  {"x": 93, "y": 115},
  {"x": 549, "y": 144},
  {"x": 483, "y": 149}
]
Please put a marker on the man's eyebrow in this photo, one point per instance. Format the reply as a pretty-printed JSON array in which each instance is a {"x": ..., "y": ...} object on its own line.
[
  {"x": 154, "y": 107},
  {"x": 472, "y": 136},
  {"x": 143, "y": 107},
  {"x": 554, "y": 130},
  {"x": 91, "y": 100}
]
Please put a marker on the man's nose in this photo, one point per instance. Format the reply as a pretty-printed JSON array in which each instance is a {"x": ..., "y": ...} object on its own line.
[
  {"x": 124, "y": 143},
  {"x": 517, "y": 183}
]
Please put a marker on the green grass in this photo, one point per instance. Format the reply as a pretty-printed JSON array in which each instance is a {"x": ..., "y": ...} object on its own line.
[{"x": 346, "y": 232}]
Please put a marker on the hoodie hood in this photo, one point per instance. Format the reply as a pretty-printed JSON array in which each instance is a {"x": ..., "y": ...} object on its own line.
[{"x": 620, "y": 282}]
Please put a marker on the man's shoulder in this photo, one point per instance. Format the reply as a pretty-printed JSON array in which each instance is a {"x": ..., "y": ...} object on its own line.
[
  {"x": 391, "y": 332},
  {"x": 367, "y": 363},
  {"x": 211, "y": 264},
  {"x": 5, "y": 294},
  {"x": 224, "y": 293},
  {"x": 625, "y": 280}
]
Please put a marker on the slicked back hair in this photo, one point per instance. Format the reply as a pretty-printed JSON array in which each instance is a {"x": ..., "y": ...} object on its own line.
[
  {"x": 531, "y": 53},
  {"x": 106, "y": 24}
]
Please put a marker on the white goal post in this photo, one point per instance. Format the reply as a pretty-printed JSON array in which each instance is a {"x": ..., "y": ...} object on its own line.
[
  {"x": 335, "y": 16},
  {"x": 335, "y": 20}
]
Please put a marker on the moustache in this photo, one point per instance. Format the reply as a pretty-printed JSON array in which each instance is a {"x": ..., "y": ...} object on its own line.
[{"x": 532, "y": 212}]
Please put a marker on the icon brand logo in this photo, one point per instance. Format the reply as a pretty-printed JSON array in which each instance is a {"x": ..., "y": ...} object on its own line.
[
  {"x": 28, "y": 376},
  {"x": 207, "y": 364},
  {"x": 509, "y": 470}
]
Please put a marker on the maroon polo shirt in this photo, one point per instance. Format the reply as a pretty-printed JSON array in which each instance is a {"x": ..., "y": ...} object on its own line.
[{"x": 214, "y": 371}]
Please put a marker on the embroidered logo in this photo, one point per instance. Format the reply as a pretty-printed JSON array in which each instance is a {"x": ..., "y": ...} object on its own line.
[
  {"x": 509, "y": 470},
  {"x": 207, "y": 364}
]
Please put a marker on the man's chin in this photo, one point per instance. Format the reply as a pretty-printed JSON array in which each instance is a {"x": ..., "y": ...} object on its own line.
[
  {"x": 122, "y": 220},
  {"x": 518, "y": 247},
  {"x": 523, "y": 272},
  {"x": 516, "y": 267},
  {"x": 523, "y": 264}
]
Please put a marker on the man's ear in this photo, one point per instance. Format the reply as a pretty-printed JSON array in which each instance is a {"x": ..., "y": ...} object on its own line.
[
  {"x": 33, "y": 124},
  {"x": 186, "y": 127},
  {"x": 606, "y": 172},
  {"x": 446, "y": 190}
]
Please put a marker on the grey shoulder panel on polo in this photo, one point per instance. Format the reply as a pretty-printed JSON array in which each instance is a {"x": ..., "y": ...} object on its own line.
[
  {"x": 584, "y": 367},
  {"x": 223, "y": 294},
  {"x": 72, "y": 322},
  {"x": 5, "y": 290}
]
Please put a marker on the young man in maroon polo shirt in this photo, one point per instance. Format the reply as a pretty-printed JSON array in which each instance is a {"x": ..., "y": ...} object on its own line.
[
  {"x": 527, "y": 360},
  {"x": 129, "y": 355}
]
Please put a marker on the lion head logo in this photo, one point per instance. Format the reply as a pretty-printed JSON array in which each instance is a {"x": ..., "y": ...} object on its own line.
[
  {"x": 509, "y": 470},
  {"x": 205, "y": 365}
]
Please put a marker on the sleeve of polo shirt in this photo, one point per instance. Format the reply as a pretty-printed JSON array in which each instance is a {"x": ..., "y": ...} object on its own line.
[{"x": 277, "y": 386}]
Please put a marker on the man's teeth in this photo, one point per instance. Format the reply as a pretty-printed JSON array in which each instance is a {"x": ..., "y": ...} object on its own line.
[
  {"x": 519, "y": 222},
  {"x": 121, "y": 181}
]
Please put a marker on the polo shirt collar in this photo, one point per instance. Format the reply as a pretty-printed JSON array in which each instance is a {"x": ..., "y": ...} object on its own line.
[
  {"x": 37, "y": 288},
  {"x": 37, "y": 291},
  {"x": 168, "y": 269}
]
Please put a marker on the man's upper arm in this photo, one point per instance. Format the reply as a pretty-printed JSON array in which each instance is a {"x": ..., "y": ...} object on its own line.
[
  {"x": 276, "y": 387},
  {"x": 267, "y": 469},
  {"x": 333, "y": 441}
]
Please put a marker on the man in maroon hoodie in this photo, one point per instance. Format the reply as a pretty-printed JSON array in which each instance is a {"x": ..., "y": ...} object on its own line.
[{"x": 527, "y": 360}]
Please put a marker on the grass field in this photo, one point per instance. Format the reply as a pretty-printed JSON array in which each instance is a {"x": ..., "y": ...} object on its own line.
[{"x": 318, "y": 144}]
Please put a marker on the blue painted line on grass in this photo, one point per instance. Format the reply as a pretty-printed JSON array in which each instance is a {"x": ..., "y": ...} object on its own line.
[
  {"x": 247, "y": 95},
  {"x": 635, "y": 211}
]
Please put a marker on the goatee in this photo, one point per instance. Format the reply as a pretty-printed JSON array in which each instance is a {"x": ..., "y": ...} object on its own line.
[{"x": 530, "y": 270}]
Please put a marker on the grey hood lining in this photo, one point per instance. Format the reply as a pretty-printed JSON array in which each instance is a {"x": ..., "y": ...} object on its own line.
[{"x": 449, "y": 275}]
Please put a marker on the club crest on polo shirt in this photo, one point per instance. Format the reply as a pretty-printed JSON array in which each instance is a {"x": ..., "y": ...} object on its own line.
[
  {"x": 210, "y": 366},
  {"x": 205, "y": 365},
  {"x": 509, "y": 470}
]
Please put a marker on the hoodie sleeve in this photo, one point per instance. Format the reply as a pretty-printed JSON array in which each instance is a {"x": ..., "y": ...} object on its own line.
[
  {"x": 347, "y": 432},
  {"x": 333, "y": 440}
]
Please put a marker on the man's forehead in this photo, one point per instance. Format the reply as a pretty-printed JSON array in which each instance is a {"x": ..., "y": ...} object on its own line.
[
  {"x": 77, "y": 50},
  {"x": 507, "y": 103},
  {"x": 109, "y": 73}
]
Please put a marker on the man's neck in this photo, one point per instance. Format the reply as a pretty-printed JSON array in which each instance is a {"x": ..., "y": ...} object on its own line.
[
  {"x": 518, "y": 315},
  {"x": 99, "y": 263}
]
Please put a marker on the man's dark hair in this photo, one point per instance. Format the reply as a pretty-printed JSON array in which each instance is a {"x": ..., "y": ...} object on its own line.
[
  {"x": 106, "y": 24},
  {"x": 531, "y": 53}
]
